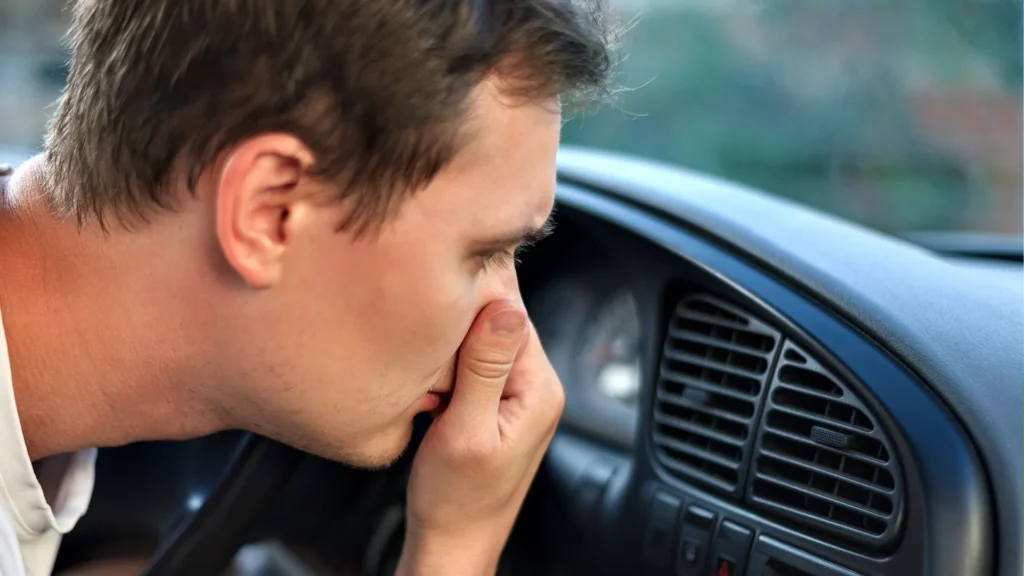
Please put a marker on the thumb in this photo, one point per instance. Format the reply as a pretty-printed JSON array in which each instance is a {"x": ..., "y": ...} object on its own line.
[{"x": 484, "y": 362}]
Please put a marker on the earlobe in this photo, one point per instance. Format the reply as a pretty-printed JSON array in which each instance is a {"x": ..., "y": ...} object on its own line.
[{"x": 256, "y": 195}]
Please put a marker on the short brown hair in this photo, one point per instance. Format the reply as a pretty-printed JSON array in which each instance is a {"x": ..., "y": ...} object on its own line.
[{"x": 377, "y": 89}]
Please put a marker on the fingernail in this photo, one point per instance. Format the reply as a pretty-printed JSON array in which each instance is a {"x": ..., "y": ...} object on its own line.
[{"x": 508, "y": 322}]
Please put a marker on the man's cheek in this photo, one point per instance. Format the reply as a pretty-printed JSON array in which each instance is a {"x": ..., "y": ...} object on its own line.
[
  {"x": 465, "y": 302},
  {"x": 441, "y": 326},
  {"x": 445, "y": 380}
]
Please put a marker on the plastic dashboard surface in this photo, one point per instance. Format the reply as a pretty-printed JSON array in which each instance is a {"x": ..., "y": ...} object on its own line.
[
  {"x": 947, "y": 526},
  {"x": 961, "y": 332}
]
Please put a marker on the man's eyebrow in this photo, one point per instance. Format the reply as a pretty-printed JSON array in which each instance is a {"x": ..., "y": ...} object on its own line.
[{"x": 525, "y": 237}]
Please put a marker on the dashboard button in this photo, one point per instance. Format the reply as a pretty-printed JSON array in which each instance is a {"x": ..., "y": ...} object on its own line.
[
  {"x": 691, "y": 556},
  {"x": 661, "y": 530},
  {"x": 725, "y": 567},
  {"x": 698, "y": 525},
  {"x": 732, "y": 545}
]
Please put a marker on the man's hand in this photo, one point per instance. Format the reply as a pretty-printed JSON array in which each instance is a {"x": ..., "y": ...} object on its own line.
[{"x": 480, "y": 455}]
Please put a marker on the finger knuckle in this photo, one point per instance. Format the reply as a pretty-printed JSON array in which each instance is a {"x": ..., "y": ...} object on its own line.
[
  {"x": 489, "y": 364},
  {"x": 553, "y": 395},
  {"x": 558, "y": 399},
  {"x": 474, "y": 451}
]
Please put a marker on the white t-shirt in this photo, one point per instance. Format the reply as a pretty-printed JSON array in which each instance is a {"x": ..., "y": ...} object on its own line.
[{"x": 30, "y": 529}]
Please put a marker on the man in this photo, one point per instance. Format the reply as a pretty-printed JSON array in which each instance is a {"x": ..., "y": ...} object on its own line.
[{"x": 299, "y": 219}]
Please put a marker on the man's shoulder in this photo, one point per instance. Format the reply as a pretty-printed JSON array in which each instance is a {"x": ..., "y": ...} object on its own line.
[
  {"x": 11, "y": 562},
  {"x": 18, "y": 182}
]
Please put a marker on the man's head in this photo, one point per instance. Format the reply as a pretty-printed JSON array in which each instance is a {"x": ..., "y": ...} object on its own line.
[{"x": 338, "y": 184}]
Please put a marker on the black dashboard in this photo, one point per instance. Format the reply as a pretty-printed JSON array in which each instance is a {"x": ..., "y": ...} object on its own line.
[{"x": 786, "y": 393}]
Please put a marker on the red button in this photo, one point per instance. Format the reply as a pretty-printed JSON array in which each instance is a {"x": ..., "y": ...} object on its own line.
[{"x": 724, "y": 568}]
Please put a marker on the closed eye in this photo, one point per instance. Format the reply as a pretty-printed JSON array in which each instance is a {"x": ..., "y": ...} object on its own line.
[
  {"x": 505, "y": 253},
  {"x": 500, "y": 259}
]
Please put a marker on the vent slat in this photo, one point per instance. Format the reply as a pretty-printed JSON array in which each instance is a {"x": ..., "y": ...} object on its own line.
[
  {"x": 715, "y": 364},
  {"x": 831, "y": 499},
  {"x": 808, "y": 379},
  {"x": 686, "y": 314},
  {"x": 801, "y": 513},
  {"x": 724, "y": 485},
  {"x": 843, "y": 426},
  {"x": 709, "y": 363},
  {"x": 663, "y": 440},
  {"x": 830, "y": 473},
  {"x": 813, "y": 444},
  {"x": 683, "y": 334},
  {"x": 706, "y": 386},
  {"x": 700, "y": 430},
  {"x": 808, "y": 391},
  {"x": 681, "y": 401}
]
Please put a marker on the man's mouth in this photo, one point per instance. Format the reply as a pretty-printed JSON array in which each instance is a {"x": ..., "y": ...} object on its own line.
[{"x": 440, "y": 394}]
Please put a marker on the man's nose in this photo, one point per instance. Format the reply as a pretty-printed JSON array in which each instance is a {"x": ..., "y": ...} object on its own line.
[{"x": 504, "y": 285}]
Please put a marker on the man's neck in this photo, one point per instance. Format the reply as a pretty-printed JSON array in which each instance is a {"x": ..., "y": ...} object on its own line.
[{"x": 92, "y": 365}]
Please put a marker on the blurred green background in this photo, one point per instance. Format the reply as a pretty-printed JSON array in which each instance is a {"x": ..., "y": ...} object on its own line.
[{"x": 904, "y": 115}]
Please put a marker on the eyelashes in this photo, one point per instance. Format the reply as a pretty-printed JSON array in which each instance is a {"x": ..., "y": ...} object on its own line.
[
  {"x": 503, "y": 259},
  {"x": 509, "y": 258}
]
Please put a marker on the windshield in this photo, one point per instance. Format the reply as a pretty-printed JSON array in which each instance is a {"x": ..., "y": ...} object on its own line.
[{"x": 904, "y": 115}]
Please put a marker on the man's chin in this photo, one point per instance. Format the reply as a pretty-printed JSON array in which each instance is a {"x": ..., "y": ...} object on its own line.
[
  {"x": 378, "y": 453},
  {"x": 376, "y": 461}
]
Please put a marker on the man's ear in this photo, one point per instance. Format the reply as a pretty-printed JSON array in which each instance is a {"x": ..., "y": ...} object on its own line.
[{"x": 260, "y": 186}]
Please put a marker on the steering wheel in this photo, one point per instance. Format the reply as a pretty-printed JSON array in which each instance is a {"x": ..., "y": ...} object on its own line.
[{"x": 207, "y": 542}]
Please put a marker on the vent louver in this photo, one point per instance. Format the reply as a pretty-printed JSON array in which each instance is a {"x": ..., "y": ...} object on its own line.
[
  {"x": 715, "y": 367},
  {"x": 821, "y": 459}
]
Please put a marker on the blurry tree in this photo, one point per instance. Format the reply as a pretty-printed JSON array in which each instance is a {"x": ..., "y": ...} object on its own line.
[{"x": 816, "y": 100}]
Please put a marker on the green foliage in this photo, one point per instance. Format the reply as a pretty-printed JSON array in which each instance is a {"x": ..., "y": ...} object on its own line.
[{"x": 816, "y": 100}]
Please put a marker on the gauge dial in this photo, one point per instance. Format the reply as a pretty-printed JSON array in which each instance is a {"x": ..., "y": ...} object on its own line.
[
  {"x": 609, "y": 358},
  {"x": 591, "y": 329}
]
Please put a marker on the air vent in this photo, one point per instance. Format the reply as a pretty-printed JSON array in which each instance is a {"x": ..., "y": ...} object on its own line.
[
  {"x": 715, "y": 367},
  {"x": 821, "y": 458}
]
